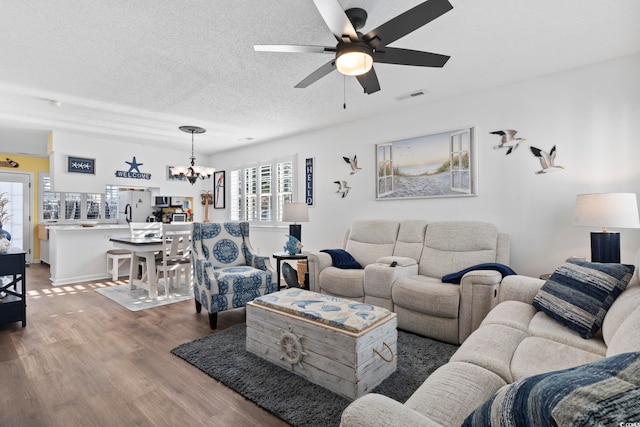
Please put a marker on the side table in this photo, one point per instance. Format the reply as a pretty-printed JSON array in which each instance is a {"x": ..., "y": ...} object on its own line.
[
  {"x": 13, "y": 307},
  {"x": 283, "y": 256}
]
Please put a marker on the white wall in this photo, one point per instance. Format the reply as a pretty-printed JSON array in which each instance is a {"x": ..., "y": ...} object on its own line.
[
  {"x": 111, "y": 156},
  {"x": 591, "y": 114}
]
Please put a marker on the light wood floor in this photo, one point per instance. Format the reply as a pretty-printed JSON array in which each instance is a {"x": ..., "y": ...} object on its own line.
[{"x": 83, "y": 360}]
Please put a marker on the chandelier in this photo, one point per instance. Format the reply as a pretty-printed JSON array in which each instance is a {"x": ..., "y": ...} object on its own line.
[{"x": 193, "y": 172}]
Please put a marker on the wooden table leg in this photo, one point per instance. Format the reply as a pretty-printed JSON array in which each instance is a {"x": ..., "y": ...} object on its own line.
[{"x": 133, "y": 270}]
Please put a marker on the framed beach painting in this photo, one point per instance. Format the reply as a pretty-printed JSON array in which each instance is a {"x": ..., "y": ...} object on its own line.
[{"x": 437, "y": 165}]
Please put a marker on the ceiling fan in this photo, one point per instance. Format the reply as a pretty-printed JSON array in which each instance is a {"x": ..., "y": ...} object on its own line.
[{"x": 355, "y": 52}]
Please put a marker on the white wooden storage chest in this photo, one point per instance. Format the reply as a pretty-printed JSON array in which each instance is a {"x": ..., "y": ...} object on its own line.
[{"x": 345, "y": 346}]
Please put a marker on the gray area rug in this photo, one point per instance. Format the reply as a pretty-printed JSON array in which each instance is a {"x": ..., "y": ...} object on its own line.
[
  {"x": 138, "y": 299},
  {"x": 292, "y": 398}
]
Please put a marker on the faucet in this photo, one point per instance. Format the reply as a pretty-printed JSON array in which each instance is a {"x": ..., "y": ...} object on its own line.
[{"x": 127, "y": 213}]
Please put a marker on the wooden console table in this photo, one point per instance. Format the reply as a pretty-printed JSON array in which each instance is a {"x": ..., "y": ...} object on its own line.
[{"x": 13, "y": 307}]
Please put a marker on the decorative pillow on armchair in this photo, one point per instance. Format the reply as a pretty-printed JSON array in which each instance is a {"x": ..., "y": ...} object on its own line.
[
  {"x": 602, "y": 393},
  {"x": 578, "y": 294}
]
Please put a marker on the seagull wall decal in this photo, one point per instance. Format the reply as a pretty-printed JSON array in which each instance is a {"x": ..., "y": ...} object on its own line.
[
  {"x": 508, "y": 140},
  {"x": 353, "y": 163},
  {"x": 547, "y": 160},
  {"x": 343, "y": 188}
]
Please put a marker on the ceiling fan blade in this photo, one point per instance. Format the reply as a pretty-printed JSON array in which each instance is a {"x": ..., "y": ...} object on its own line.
[
  {"x": 336, "y": 19},
  {"x": 407, "y": 22},
  {"x": 369, "y": 82},
  {"x": 317, "y": 74},
  {"x": 293, "y": 48},
  {"x": 391, "y": 55}
]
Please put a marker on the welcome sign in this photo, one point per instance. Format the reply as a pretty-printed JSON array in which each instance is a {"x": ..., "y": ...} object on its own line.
[{"x": 134, "y": 171}]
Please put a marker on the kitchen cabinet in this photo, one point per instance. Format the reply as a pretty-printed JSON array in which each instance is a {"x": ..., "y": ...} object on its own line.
[{"x": 43, "y": 236}]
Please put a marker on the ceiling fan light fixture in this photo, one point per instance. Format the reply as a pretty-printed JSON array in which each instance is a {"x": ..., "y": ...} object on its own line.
[{"x": 354, "y": 60}]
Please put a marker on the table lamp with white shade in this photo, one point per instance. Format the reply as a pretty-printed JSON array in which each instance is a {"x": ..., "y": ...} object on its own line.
[
  {"x": 295, "y": 213},
  {"x": 617, "y": 210}
]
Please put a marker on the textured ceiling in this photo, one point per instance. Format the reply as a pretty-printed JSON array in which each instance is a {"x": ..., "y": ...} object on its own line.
[{"x": 139, "y": 69}]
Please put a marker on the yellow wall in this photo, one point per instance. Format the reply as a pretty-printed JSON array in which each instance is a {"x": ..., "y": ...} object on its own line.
[{"x": 36, "y": 165}]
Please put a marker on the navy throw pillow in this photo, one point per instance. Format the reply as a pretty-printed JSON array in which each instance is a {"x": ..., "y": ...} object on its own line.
[
  {"x": 579, "y": 293},
  {"x": 342, "y": 259},
  {"x": 457, "y": 276}
]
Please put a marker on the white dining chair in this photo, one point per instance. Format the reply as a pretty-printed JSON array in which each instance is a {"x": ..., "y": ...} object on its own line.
[
  {"x": 175, "y": 259},
  {"x": 139, "y": 230}
]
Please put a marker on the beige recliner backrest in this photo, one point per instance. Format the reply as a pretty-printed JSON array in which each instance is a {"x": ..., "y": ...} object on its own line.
[
  {"x": 451, "y": 246},
  {"x": 410, "y": 240},
  {"x": 368, "y": 240}
]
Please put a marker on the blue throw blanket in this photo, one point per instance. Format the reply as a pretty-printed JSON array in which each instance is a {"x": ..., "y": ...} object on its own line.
[
  {"x": 342, "y": 259},
  {"x": 457, "y": 276}
]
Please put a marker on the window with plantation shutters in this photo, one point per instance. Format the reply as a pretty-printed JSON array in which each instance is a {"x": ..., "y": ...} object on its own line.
[
  {"x": 285, "y": 186},
  {"x": 259, "y": 190},
  {"x": 77, "y": 206}
]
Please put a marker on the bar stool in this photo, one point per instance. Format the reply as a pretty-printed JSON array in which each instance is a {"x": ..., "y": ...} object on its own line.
[{"x": 117, "y": 257}]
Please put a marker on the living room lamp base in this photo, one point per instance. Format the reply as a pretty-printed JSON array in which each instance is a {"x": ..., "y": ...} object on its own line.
[{"x": 605, "y": 246}]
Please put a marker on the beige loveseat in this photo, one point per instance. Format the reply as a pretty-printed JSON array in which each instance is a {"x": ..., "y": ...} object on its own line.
[
  {"x": 413, "y": 289},
  {"x": 515, "y": 341}
]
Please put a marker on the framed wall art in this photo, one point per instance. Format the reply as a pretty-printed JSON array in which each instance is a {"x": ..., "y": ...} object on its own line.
[
  {"x": 81, "y": 165},
  {"x": 436, "y": 165},
  {"x": 171, "y": 177},
  {"x": 218, "y": 190}
]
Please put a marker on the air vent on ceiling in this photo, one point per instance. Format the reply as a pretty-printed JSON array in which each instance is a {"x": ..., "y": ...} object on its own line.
[{"x": 413, "y": 94}]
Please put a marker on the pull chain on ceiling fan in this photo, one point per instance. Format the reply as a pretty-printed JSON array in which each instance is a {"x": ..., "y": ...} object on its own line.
[{"x": 355, "y": 53}]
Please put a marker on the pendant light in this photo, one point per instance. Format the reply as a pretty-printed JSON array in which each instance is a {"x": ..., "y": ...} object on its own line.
[{"x": 193, "y": 172}]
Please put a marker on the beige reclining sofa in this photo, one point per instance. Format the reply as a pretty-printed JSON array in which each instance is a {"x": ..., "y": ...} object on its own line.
[
  {"x": 421, "y": 254},
  {"x": 523, "y": 363}
]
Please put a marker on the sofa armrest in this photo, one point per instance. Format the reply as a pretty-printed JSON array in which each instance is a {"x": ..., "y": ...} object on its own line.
[
  {"x": 378, "y": 410},
  {"x": 316, "y": 262},
  {"x": 478, "y": 295},
  {"x": 519, "y": 288}
]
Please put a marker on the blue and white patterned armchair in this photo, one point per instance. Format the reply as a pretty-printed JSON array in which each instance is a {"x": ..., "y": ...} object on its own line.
[{"x": 227, "y": 271}]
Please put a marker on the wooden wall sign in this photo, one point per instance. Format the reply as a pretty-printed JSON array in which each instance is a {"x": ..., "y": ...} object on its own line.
[{"x": 8, "y": 163}]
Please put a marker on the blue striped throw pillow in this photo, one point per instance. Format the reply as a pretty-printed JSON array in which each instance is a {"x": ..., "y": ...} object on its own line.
[
  {"x": 578, "y": 294},
  {"x": 602, "y": 393}
]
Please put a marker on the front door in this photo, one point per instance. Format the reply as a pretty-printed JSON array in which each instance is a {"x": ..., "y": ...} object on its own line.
[{"x": 16, "y": 187}]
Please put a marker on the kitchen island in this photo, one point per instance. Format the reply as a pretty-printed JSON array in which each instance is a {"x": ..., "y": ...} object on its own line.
[{"x": 78, "y": 254}]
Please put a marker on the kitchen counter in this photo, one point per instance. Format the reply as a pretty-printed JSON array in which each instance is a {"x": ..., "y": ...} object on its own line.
[
  {"x": 78, "y": 254},
  {"x": 80, "y": 227}
]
